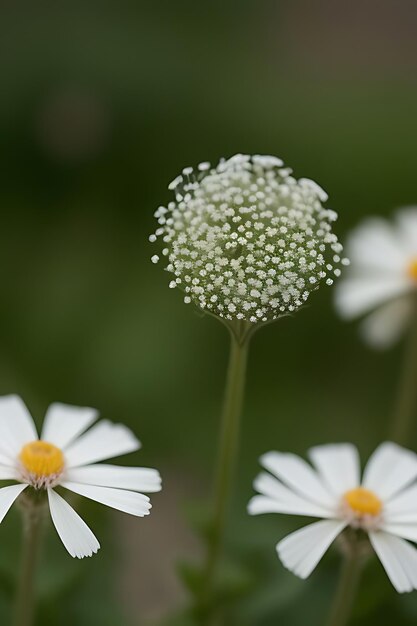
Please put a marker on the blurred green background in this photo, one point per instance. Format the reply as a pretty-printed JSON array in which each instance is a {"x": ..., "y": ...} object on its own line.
[{"x": 102, "y": 104}]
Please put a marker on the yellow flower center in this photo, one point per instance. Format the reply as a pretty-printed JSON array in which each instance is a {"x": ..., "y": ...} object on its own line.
[
  {"x": 412, "y": 269},
  {"x": 42, "y": 459},
  {"x": 363, "y": 501}
]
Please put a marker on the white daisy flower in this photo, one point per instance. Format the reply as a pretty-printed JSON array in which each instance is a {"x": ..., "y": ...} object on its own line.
[
  {"x": 383, "y": 277},
  {"x": 383, "y": 504},
  {"x": 66, "y": 456}
]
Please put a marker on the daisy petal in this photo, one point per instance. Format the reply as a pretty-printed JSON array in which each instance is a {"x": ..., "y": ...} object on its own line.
[
  {"x": 405, "y": 531},
  {"x": 263, "y": 504},
  {"x": 135, "y": 478},
  {"x": 298, "y": 475},
  {"x": 126, "y": 501},
  {"x": 8, "y": 472},
  {"x": 402, "y": 508},
  {"x": 73, "y": 531},
  {"x": 301, "y": 551},
  {"x": 276, "y": 498},
  {"x": 407, "y": 554},
  {"x": 63, "y": 423},
  {"x": 376, "y": 246},
  {"x": 103, "y": 441},
  {"x": 7, "y": 496},
  {"x": 16, "y": 425},
  {"x": 7, "y": 461},
  {"x": 407, "y": 221},
  {"x": 390, "y": 469},
  {"x": 383, "y": 327},
  {"x": 398, "y": 558},
  {"x": 355, "y": 296},
  {"x": 338, "y": 465}
]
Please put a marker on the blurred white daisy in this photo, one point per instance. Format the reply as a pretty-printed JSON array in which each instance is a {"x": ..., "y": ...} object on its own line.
[
  {"x": 382, "y": 279},
  {"x": 66, "y": 456},
  {"x": 383, "y": 504}
]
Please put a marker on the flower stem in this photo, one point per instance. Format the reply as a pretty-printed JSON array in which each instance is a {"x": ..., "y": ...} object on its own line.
[
  {"x": 405, "y": 411},
  {"x": 229, "y": 437},
  {"x": 25, "y": 596},
  {"x": 347, "y": 585}
]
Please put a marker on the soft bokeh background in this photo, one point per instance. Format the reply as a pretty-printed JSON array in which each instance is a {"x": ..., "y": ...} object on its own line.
[{"x": 102, "y": 103}]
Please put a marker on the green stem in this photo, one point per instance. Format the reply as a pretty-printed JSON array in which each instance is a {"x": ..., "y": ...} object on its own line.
[
  {"x": 229, "y": 437},
  {"x": 405, "y": 411},
  {"x": 25, "y": 596},
  {"x": 347, "y": 586}
]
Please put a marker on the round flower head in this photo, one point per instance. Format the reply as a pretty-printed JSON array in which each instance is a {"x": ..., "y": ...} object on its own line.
[
  {"x": 382, "y": 280},
  {"x": 66, "y": 456},
  {"x": 383, "y": 504},
  {"x": 245, "y": 240}
]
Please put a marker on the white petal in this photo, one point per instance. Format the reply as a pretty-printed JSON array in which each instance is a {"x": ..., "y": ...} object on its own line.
[
  {"x": 405, "y": 531},
  {"x": 301, "y": 551},
  {"x": 7, "y": 460},
  {"x": 407, "y": 555},
  {"x": 103, "y": 441},
  {"x": 382, "y": 328},
  {"x": 338, "y": 465},
  {"x": 407, "y": 222},
  {"x": 355, "y": 296},
  {"x": 398, "y": 558},
  {"x": 402, "y": 508},
  {"x": 8, "y": 472},
  {"x": 276, "y": 498},
  {"x": 135, "y": 478},
  {"x": 64, "y": 423},
  {"x": 298, "y": 475},
  {"x": 262, "y": 504},
  {"x": 7, "y": 496},
  {"x": 73, "y": 531},
  {"x": 390, "y": 469},
  {"x": 126, "y": 501},
  {"x": 16, "y": 425},
  {"x": 375, "y": 246}
]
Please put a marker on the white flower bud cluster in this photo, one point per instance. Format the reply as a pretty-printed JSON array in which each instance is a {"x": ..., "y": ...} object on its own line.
[{"x": 245, "y": 240}]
